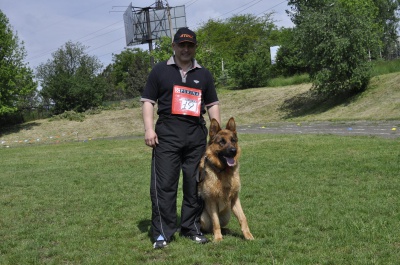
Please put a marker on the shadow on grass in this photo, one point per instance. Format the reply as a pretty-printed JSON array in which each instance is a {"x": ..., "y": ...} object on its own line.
[
  {"x": 6, "y": 130},
  {"x": 310, "y": 103},
  {"x": 144, "y": 226},
  {"x": 227, "y": 232}
]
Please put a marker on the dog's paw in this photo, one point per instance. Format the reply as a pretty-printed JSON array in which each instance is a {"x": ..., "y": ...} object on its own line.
[
  {"x": 217, "y": 239},
  {"x": 217, "y": 236},
  {"x": 248, "y": 236}
]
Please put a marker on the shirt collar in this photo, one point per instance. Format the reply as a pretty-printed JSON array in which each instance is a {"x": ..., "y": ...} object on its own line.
[{"x": 171, "y": 61}]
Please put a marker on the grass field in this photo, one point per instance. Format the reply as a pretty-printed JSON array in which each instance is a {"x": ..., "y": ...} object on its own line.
[
  {"x": 309, "y": 200},
  {"x": 67, "y": 198}
]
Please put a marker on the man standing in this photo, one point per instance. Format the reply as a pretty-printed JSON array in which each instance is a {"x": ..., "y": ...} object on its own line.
[{"x": 183, "y": 91}]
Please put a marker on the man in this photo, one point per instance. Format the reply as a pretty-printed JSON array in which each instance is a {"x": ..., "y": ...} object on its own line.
[{"x": 183, "y": 91}]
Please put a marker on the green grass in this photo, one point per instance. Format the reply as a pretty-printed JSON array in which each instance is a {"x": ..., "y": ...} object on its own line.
[
  {"x": 379, "y": 67},
  {"x": 288, "y": 81},
  {"x": 309, "y": 200},
  {"x": 385, "y": 67}
]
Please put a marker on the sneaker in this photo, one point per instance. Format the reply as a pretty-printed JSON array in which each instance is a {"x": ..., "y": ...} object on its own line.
[
  {"x": 200, "y": 239},
  {"x": 160, "y": 244}
]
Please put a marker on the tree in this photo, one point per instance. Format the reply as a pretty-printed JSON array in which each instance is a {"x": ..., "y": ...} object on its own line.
[
  {"x": 69, "y": 80},
  {"x": 242, "y": 42},
  {"x": 16, "y": 78},
  {"x": 289, "y": 60},
  {"x": 335, "y": 41},
  {"x": 163, "y": 49},
  {"x": 388, "y": 19},
  {"x": 127, "y": 75},
  {"x": 235, "y": 50},
  {"x": 129, "y": 72},
  {"x": 384, "y": 15}
]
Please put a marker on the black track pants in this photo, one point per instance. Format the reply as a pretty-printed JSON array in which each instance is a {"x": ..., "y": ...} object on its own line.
[{"x": 181, "y": 145}]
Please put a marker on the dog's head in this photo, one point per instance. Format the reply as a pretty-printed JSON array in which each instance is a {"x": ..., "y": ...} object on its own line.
[{"x": 223, "y": 143}]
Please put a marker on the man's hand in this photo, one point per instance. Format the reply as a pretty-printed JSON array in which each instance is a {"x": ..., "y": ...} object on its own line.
[{"x": 150, "y": 138}]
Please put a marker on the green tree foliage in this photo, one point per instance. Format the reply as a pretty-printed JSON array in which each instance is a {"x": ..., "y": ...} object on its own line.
[
  {"x": 163, "y": 49},
  {"x": 69, "y": 80},
  {"x": 16, "y": 78},
  {"x": 289, "y": 59},
  {"x": 387, "y": 17},
  {"x": 236, "y": 50},
  {"x": 127, "y": 75},
  {"x": 242, "y": 42},
  {"x": 298, "y": 6},
  {"x": 384, "y": 14},
  {"x": 335, "y": 40}
]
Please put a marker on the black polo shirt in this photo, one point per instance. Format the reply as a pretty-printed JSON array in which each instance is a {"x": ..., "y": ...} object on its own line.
[{"x": 166, "y": 74}]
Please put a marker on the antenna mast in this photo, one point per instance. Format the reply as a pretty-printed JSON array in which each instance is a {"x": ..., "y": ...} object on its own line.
[{"x": 145, "y": 24}]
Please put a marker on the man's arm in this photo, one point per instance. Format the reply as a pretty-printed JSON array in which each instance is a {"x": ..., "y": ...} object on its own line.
[
  {"x": 150, "y": 136},
  {"x": 213, "y": 113}
]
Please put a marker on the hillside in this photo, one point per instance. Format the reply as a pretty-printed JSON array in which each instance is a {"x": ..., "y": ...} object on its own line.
[{"x": 381, "y": 101}]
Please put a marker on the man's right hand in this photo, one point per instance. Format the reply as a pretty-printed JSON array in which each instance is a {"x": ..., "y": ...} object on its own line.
[{"x": 150, "y": 138}]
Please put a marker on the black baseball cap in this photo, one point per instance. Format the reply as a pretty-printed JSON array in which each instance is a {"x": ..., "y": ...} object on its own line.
[{"x": 185, "y": 35}]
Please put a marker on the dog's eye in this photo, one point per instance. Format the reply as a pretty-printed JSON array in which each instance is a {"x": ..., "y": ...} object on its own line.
[
  {"x": 234, "y": 140},
  {"x": 222, "y": 142}
]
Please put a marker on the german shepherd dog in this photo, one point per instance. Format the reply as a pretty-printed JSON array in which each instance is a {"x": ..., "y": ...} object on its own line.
[{"x": 219, "y": 181}]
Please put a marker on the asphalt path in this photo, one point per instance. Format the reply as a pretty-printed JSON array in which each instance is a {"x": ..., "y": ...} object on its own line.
[{"x": 385, "y": 129}]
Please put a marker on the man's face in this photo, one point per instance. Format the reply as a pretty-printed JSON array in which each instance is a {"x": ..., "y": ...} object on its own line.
[{"x": 184, "y": 51}]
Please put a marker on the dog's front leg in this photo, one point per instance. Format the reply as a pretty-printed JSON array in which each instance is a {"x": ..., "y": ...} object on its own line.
[
  {"x": 212, "y": 210},
  {"x": 238, "y": 212}
]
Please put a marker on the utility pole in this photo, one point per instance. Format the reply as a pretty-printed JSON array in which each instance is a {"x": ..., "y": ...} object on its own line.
[
  {"x": 147, "y": 24},
  {"x": 149, "y": 38},
  {"x": 159, "y": 5},
  {"x": 171, "y": 30}
]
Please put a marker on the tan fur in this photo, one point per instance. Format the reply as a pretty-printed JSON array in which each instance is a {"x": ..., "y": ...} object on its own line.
[{"x": 220, "y": 183}]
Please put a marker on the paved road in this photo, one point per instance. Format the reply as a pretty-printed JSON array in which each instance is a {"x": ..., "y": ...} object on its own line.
[{"x": 386, "y": 129}]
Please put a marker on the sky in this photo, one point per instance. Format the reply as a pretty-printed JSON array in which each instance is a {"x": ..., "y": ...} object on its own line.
[{"x": 46, "y": 25}]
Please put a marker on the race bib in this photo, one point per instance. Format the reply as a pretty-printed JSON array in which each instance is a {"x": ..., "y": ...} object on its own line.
[{"x": 186, "y": 101}]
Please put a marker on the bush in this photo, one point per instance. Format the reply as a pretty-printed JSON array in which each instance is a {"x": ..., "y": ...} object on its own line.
[
  {"x": 69, "y": 115},
  {"x": 335, "y": 41}
]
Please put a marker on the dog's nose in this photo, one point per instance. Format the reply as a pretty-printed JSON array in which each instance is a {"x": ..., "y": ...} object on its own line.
[{"x": 232, "y": 152}]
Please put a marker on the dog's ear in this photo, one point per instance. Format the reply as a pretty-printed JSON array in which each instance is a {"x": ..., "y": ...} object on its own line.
[
  {"x": 231, "y": 125},
  {"x": 214, "y": 128}
]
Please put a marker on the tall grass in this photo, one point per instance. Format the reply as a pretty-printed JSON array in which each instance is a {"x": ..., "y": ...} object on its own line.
[
  {"x": 385, "y": 67},
  {"x": 288, "y": 81},
  {"x": 379, "y": 67},
  {"x": 309, "y": 200}
]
